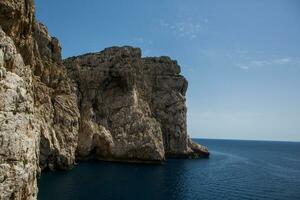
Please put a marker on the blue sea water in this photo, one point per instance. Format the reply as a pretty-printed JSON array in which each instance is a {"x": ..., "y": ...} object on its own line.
[{"x": 235, "y": 170}]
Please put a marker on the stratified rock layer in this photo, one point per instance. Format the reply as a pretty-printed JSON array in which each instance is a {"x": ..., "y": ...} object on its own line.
[{"x": 131, "y": 108}]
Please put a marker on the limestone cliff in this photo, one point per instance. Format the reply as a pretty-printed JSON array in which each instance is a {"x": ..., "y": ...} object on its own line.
[
  {"x": 131, "y": 108},
  {"x": 55, "y": 107},
  {"x": 18, "y": 135},
  {"x": 38, "y": 110},
  {"x": 112, "y": 105}
]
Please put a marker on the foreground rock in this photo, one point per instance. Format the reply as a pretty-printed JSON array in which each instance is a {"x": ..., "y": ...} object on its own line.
[
  {"x": 38, "y": 110},
  {"x": 55, "y": 109},
  {"x": 131, "y": 108},
  {"x": 18, "y": 136}
]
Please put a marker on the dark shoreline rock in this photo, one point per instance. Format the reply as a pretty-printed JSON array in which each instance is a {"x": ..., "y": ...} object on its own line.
[{"x": 198, "y": 150}]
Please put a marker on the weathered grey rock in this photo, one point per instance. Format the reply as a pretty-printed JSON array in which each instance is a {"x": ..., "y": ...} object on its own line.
[
  {"x": 55, "y": 104},
  {"x": 18, "y": 135},
  {"x": 116, "y": 121},
  {"x": 55, "y": 107},
  {"x": 135, "y": 105},
  {"x": 35, "y": 88}
]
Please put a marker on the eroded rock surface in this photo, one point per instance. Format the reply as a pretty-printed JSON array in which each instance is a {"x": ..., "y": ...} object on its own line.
[
  {"x": 116, "y": 120},
  {"x": 55, "y": 107},
  {"x": 38, "y": 109},
  {"x": 55, "y": 103},
  {"x": 135, "y": 105},
  {"x": 18, "y": 135}
]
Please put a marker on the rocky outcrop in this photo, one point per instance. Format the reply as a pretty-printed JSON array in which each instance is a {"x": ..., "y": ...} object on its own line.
[
  {"x": 131, "y": 108},
  {"x": 112, "y": 105},
  {"x": 116, "y": 120}
]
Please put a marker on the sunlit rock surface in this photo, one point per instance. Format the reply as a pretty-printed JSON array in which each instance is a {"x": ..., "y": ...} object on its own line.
[{"x": 131, "y": 108}]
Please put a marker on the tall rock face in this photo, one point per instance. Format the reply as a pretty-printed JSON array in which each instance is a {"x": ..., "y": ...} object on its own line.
[
  {"x": 116, "y": 119},
  {"x": 55, "y": 104},
  {"x": 131, "y": 108},
  {"x": 55, "y": 107},
  {"x": 38, "y": 105},
  {"x": 18, "y": 135}
]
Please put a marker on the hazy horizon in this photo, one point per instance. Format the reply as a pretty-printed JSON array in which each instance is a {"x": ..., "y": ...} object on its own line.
[{"x": 241, "y": 58}]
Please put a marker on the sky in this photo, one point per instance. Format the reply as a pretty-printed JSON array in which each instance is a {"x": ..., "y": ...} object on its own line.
[{"x": 241, "y": 58}]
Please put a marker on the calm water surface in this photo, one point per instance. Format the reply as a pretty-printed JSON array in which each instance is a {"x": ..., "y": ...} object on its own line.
[{"x": 236, "y": 170}]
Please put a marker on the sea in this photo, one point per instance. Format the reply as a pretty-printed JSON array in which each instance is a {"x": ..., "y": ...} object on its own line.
[{"x": 236, "y": 169}]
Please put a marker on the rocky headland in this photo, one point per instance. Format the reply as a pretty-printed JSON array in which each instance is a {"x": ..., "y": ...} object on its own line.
[{"x": 111, "y": 105}]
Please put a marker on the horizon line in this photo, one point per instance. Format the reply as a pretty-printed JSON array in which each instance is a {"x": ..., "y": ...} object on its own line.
[{"x": 258, "y": 140}]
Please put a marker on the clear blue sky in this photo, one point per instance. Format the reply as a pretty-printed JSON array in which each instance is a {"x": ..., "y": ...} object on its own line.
[{"x": 241, "y": 58}]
